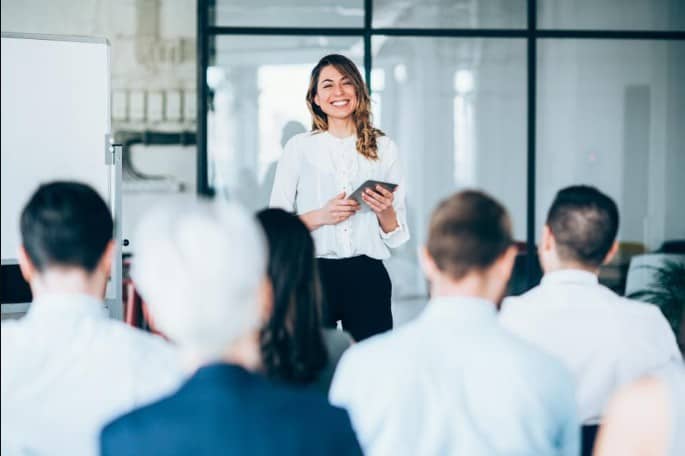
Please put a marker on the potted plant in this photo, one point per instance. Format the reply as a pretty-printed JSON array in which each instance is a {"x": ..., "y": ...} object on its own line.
[{"x": 667, "y": 291}]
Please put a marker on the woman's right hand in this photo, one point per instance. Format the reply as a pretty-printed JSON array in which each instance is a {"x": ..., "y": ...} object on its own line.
[{"x": 338, "y": 209}]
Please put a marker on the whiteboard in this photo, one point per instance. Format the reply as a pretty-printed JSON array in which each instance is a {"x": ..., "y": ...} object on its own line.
[{"x": 55, "y": 123}]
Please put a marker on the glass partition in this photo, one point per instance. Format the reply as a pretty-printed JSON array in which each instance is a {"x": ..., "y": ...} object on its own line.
[
  {"x": 611, "y": 14},
  {"x": 457, "y": 110},
  {"x": 257, "y": 88},
  {"x": 455, "y": 83},
  {"x": 449, "y": 14},
  {"x": 611, "y": 114},
  {"x": 275, "y": 13}
]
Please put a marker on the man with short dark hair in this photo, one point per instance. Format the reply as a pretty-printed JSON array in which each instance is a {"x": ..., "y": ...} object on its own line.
[
  {"x": 452, "y": 381},
  {"x": 584, "y": 223},
  {"x": 604, "y": 339},
  {"x": 66, "y": 368}
]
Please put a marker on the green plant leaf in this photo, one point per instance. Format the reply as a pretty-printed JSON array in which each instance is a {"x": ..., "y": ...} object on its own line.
[{"x": 666, "y": 290}]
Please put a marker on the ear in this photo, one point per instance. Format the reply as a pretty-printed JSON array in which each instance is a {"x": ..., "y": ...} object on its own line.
[
  {"x": 430, "y": 269},
  {"x": 28, "y": 270},
  {"x": 105, "y": 263},
  {"x": 505, "y": 263},
  {"x": 317, "y": 100},
  {"x": 611, "y": 253},
  {"x": 265, "y": 299},
  {"x": 547, "y": 242}
]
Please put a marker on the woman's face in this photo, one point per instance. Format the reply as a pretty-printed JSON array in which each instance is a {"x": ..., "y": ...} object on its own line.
[{"x": 335, "y": 93}]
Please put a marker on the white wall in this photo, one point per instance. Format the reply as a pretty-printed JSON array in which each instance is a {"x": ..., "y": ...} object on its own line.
[
  {"x": 153, "y": 41},
  {"x": 153, "y": 78}
]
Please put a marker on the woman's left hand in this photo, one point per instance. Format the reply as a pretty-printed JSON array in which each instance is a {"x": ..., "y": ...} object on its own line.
[{"x": 381, "y": 201}]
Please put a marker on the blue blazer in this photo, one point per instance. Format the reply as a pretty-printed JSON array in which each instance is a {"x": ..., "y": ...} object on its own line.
[{"x": 223, "y": 409}]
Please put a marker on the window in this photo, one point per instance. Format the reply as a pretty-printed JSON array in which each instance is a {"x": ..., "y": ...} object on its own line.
[
  {"x": 516, "y": 97},
  {"x": 256, "y": 102},
  {"x": 277, "y": 13},
  {"x": 611, "y": 115}
]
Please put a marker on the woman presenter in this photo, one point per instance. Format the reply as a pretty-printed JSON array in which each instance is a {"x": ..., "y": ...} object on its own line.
[{"x": 317, "y": 172}]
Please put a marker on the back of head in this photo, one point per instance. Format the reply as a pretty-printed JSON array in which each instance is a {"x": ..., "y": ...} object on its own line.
[
  {"x": 584, "y": 223},
  {"x": 199, "y": 266},
  {"x": 468, "y": 232},
  {"x": 65, "y": 224},
  {"x": 292, "y": 266},
  {"x": 291, "y": 342}
]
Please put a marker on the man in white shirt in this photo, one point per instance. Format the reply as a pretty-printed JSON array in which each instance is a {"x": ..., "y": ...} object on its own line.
[
  {"x": 66, "y": 368},
  {"x": 604, "y": 339},
  {"x": 453, "y": 381}
]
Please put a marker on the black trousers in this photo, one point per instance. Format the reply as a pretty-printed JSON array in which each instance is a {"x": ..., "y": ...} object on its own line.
[{"x": 356, "y": 291}]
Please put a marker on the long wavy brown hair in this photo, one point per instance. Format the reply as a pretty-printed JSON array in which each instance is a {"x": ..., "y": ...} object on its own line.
[{"x": 366, "y": 133}]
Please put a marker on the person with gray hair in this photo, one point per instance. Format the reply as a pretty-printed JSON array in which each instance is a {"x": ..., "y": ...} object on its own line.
[{"x": 202, "y": 271}]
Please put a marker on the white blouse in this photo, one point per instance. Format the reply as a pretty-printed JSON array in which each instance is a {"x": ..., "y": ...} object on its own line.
[{"x": 315, "y": 167}]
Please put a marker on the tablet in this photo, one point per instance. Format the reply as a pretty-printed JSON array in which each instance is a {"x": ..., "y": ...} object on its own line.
[{"x": 357, "y": 194}]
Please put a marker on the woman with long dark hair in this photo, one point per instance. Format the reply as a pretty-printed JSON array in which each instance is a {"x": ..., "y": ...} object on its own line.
[
  {"x": 316, "y": 173},
  {"x": 294, "y": 346}
]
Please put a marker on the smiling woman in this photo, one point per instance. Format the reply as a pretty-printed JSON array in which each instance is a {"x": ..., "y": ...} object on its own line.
[{"x": 318, "y": 171}]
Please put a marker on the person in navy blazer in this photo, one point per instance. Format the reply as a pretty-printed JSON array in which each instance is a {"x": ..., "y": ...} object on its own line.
[{"x": 208, "y": 293}]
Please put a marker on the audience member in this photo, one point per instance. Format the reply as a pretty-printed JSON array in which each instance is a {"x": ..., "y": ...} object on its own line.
[
  {"x": 647, "y": 417},
  {"x": 604, "y": 339},
  {"x": 67, "y": 368},
  {"x": 294, "y": 347},
  {"x": 202, "y": 272},
  {"x": 452, "y": 381}
]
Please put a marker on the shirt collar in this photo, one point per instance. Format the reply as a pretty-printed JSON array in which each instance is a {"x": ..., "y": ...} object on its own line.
[
  {"x": 350, "y": 138},
  {"x": 223, "y": 373},
  {"x": 577, "y": 276},
  {"x": 460, "y": 309},
  {"x": 69, "y": 305}
]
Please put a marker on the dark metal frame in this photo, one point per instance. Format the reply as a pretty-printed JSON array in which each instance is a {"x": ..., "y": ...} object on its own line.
[{"x": 531, "y": 34}]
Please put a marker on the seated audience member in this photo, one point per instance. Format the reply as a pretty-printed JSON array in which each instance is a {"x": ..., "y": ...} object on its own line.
[
  {"x": 67, "y": 368},
  {"x": 294, "y": 346},
  {"x": 452, "y": 381},
  {"x": 202, "y": 271},
  {"x": 647, "y": 417},
  {"x": 603, "y": 339}
]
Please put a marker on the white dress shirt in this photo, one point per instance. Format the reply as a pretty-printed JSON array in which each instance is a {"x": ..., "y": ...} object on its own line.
[
  {"x": 315, "y": 167},
  {"x": 67, "y": 369},
  {"x": 604, "y": 340},
  {"x": 453, "y": 382}
]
